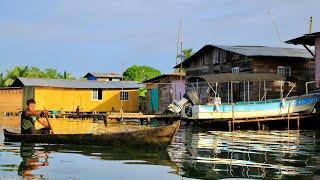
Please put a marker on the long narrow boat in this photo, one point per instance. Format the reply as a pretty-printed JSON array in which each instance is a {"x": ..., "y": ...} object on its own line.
[
  {"x": 190, "y": 106},
  {"x": 155, "y": 138},
  {"x": 253, "y": 109}
]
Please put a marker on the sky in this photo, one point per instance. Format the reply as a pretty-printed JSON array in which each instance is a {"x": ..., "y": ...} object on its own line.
[{"x": 82, "y": 36}]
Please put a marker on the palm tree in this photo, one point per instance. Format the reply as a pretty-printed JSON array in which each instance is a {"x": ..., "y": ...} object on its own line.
[
  {"x": 187, "y": 52},
  {"x": 2, "y": 80},
  {"x": 13, "y": 74}
]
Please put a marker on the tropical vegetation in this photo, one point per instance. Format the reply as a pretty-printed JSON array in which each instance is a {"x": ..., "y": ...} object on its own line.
[{"x": 6, "y": 79}]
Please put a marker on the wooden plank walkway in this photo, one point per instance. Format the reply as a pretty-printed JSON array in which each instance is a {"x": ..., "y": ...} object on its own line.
[
  {"x": 293, "y": 116},
  {"x": 141, "y": 116}
]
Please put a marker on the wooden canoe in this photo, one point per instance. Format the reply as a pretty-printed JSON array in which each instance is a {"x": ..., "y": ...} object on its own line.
[{"x": 156, "y": 138}]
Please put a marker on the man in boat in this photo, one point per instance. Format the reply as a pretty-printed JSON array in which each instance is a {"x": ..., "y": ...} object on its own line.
[{"x": 30, "y": 116}]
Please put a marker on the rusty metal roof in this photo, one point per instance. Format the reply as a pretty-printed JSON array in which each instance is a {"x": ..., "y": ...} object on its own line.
[
  {"x": 76, "y": 84},
  {"x": 256, "y": 51},
  {"x": 307, "y": 39}
]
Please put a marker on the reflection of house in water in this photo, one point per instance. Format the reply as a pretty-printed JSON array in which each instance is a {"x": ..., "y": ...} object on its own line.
[
  {"x": 162, "y": 90},
  {"x": 266, "y": 154},
  {"x": 296, "y": 64},
  {"x": 91, "y": 96}
]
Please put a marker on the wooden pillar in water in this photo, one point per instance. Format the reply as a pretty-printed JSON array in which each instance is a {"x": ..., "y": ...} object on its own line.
[
  {"x": 298, "y": 123},
  {"x": 258, "y": 125},
  {"x": 232, "y": 117}
]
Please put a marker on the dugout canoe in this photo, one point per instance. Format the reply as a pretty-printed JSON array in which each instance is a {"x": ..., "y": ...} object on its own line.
[{"x": 156, "y": 138}]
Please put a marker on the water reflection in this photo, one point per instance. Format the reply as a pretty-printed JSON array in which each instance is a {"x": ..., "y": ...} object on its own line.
[
  {"x": 195, "y": 153},
  {"x": 31, "y": 159},
  {"x": 251, "y": 154},
  {"x": 38, "y": 160}
]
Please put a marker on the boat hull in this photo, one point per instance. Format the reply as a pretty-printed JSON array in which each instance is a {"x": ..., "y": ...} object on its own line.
[
  {"x": 305, "y": 103},
  {"x": 155, "y": 138}
]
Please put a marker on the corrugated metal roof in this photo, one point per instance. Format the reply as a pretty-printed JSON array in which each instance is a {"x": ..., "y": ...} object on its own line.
[
  {"x": 307, "y": 39},
  {"x": 267, "y": 51},
  {"x": 165, "y": 75},
  {"x": 254, "y": 51},
  {"x": 79, "y": 84},
  {"x": 104, "y": 75}
]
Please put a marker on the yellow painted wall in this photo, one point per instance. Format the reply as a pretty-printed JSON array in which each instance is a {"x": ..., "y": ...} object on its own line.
[{"x": 69, "y": 99}]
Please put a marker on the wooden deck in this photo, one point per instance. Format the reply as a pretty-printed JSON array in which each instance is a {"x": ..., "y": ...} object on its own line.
[
  {"x": 288, "y": 117},
  {"x": 122, "y": 116},
  {"x": 142, "y": 117}
]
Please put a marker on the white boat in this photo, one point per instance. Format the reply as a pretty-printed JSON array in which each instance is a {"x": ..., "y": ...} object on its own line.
[{"x": 190, "y": 109}]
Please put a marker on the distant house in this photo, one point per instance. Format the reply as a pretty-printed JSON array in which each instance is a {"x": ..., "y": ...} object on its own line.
[
  {"x": 103, "y": 76},
  {"x": 10, "y": 99},
  {"x": 296, "y": 64},
  {"x": 89, "y": 95},
  {"x": 162, "y": 89}
]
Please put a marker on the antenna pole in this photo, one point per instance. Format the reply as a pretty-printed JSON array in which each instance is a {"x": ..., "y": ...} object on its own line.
[
  {"x": 275, "y": 25},
  {"x": 178, "y": 41},
  {"x": 181, "y": 56},
  {"x": 310, "y": 25}
]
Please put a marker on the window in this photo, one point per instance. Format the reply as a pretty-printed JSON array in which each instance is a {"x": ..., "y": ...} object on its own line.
[
  {"x": 284, "y": 70},
  {"x": 97, "y": 94},
  {"x": 124, "y": 96},
  {"x": 235, "y": 70}
]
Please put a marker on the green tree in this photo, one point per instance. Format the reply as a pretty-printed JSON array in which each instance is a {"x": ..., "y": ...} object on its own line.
[
  {"x": 186, "y": 54},
  {"x": 32, "y": 72},
  {"x": 35, "y": 72},
  {"x": 2, "y": 79},
  {"x": 140, "y": 73},
  {"x": 13, "y": 74},
  {"x": 67, "y": 75}
]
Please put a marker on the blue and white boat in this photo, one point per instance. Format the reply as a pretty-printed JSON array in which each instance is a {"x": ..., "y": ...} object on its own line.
[{"x": 190, "y": 109}]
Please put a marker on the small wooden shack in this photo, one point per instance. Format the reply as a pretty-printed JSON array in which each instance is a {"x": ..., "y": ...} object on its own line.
[
  {"x": 10, "y": 99},
  {"x": 90, "y": 96},
  {"x": 162, "y": 90}
]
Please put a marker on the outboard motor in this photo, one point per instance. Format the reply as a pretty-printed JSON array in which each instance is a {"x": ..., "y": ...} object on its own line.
[{"x": 189, "y": 97}]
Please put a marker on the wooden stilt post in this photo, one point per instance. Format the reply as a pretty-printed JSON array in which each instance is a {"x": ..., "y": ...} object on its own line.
[
  {"x": 289, "y": 116},
  {"x": 259, "y": 125},
  {"x": 298, "y": 123},
  {"x": 229, "y": 125},
  {"x": 232, "y": 116}
]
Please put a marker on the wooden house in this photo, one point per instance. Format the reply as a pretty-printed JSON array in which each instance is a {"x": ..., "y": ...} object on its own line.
[
  {"x": 10, "y": 99},
  {"x": 312, "y": 39},
  {"x": 162, "y": 90},
  {"x": 103, "y": 76},
  {"x": 90, "y": 96},
  {"x": 296, "y": 64}
]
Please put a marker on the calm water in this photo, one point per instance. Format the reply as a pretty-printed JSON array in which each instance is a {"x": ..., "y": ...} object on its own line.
[{"x": 197, "y": 153}]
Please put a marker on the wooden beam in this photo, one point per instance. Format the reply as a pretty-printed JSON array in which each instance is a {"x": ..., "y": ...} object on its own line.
[{"x": 309, "y": 50}]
